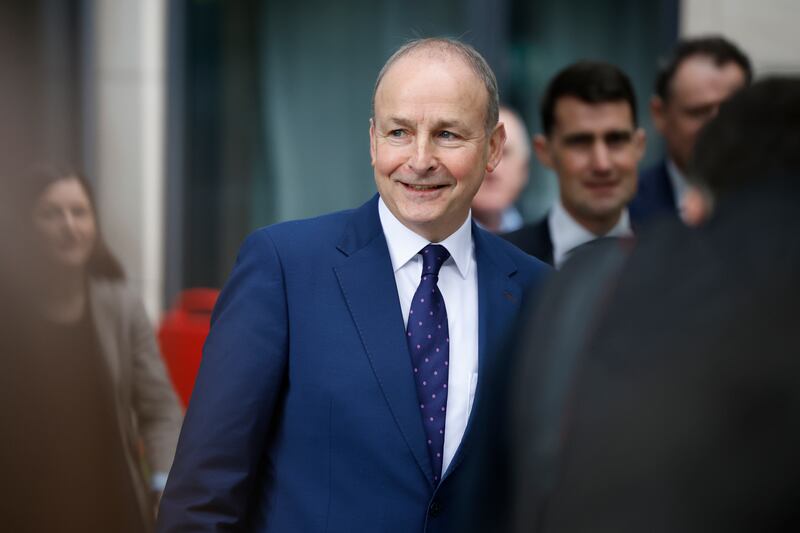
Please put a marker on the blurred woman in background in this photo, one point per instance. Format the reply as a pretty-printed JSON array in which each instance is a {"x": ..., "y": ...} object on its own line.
[{"x": 102, "y": 369}]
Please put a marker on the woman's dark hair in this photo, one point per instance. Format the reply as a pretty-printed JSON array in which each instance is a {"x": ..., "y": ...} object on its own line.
[{"x": 102, "y": 263}]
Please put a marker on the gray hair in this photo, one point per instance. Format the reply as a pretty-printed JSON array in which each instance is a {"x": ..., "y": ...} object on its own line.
[{"x": 467, "y": 53}]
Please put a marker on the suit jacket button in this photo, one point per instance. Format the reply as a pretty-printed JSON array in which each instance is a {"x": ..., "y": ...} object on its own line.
[{"x": 434, "y": 508}]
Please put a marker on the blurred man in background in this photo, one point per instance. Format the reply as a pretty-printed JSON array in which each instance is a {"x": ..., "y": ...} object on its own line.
[
  {"x": 493, "y": 206},
  {"x": 592, "y": 142},
  {"x": 700, "y": 74}
]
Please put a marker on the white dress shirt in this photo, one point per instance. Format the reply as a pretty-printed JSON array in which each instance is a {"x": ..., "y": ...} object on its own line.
[
  {"x": 458, "y": 283},
  {"x": 679, "y": 184},
  {"x": 567, "y": 234}
]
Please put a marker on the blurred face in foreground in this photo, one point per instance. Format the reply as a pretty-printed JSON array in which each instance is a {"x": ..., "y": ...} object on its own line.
[
  {"x": 594, "y": 148},
  {"x": 503, "y": 185},
  {"x": 429, "y": 143},
  {"x": 64, "y": 220}
]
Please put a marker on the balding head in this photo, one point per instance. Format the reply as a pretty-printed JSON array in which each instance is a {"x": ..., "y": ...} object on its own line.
[{"x": 449, "y": 49}]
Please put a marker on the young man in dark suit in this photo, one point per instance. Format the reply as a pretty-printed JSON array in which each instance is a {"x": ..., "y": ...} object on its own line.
[{"x": 592, "y": 142}]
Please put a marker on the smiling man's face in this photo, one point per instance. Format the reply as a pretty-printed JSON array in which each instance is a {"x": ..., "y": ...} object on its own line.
[
  {"x": 428, "y": 142},
  {"x": 594, "y": 149}
]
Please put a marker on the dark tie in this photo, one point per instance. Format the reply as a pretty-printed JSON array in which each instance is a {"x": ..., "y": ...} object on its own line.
[{"x": 429, "y": 344}]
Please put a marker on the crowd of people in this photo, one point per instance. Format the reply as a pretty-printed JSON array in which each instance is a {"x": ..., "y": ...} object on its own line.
[{"x": 429, "y": 362}]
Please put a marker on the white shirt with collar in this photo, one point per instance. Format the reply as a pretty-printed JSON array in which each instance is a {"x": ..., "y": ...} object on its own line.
[
  {"x": 679, "y": 184},
  {"x": 567, "y": 234},
  {"x": 458, "y": 283}
]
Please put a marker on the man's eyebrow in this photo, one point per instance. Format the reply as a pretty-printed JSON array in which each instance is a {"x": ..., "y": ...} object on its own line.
[
  {"x": 447, "y": 124},
  {"x": 620, "y": 134},
  {"x": 579, "y": 136},
  {"x": 583, "y": 136},
  {"x": 398, "y": 121},
  {"x": 440, "y": 125}
]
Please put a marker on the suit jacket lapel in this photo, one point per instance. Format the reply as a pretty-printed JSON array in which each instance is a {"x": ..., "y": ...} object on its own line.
[
  {"x": 499, "y": 299},
  {"x": 367, "y": 281}
]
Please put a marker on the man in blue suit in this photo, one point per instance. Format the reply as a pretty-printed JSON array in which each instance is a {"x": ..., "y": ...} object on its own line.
[
  {"x": 346, "y": 351},
  {"x": 701, "y": 74}
]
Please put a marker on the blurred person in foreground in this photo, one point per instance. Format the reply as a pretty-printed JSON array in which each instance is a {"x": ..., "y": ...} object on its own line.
[
  {"x": 337, "y": 383},
  {"x": 700, "y": 74},
  {"x": 493, "y": 206},
  {"x": 103, "y": 368},
  {"x": 592, "y": 142},
  {"x": 659, "y": 389}
]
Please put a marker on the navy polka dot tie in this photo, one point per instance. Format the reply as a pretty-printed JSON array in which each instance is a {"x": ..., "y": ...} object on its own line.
[{"x": 429, "y": 344}]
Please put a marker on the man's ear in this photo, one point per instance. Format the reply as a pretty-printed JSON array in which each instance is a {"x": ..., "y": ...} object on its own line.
[
  {"x": 372, "y": 146},
  {"x": 496, "y": 142},
  {"x": 541, "y": 147},
  {"x": 657, "y": 111},
  {"x": 696, "y": 206}
]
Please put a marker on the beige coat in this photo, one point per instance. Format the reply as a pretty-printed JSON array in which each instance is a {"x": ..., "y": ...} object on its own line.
[{"x": 148, "y": 408}]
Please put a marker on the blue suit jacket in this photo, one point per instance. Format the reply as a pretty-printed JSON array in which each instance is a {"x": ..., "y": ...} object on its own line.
[
  {"x": 654, "y": 197},
  {"x": 304, "y": 416}
]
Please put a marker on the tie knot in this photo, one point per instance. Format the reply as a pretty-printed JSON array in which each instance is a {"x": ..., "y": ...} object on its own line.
[{"x": 433, "y": 257}]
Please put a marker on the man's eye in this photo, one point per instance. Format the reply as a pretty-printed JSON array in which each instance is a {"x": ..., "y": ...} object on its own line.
[
  {"x": 397, "y": 133},
  {"x": 579, "y": 141},
  {"x": 448, "y": 135},
  {"x": 700, "y": 113},
  {"x": 618, "y": 139}
]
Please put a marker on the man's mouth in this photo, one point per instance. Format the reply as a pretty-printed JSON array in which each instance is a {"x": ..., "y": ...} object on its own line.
[
  {"x": 601, "y": 185},
  {"x": 422, "y": 187}
]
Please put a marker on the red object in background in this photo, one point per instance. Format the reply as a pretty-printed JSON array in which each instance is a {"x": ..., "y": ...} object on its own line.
[{"x": 181, "y": 335}]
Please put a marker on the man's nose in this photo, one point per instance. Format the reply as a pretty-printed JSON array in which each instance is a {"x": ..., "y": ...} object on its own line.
[
  {"x": 601, "y": 158},
  {"x": 423, "y": 160}
]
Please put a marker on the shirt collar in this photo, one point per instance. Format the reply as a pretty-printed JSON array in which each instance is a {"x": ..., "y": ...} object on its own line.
[
  {"x": 678, "y": 181},
  {"x": 567, "y": 234},
  {"x": 404, "y": 244},
  {"x": 510, "y": 220}
]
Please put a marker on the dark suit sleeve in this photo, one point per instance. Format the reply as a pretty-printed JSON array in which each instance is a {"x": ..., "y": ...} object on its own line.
[{"x": 218, "y": 462}]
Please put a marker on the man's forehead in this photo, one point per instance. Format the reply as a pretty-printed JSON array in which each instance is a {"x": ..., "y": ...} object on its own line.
[
  {"x": 572, "y": 114},
  {"x": 701, "y": 72},
  {"x": 441, "y": 92}
]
